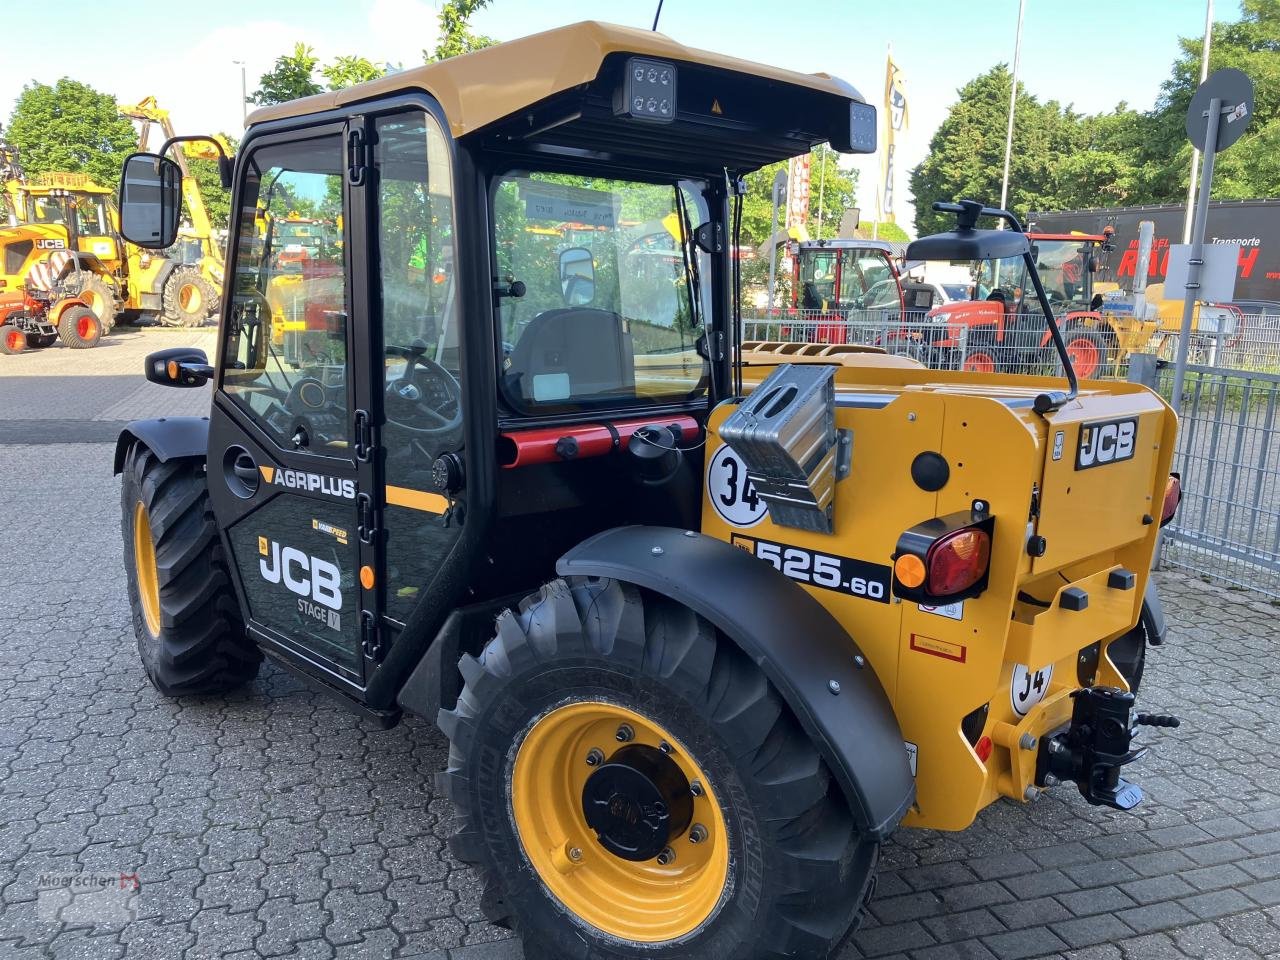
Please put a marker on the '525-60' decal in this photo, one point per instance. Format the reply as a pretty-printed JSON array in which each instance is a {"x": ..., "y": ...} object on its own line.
[{"x": 841, "y": 574}]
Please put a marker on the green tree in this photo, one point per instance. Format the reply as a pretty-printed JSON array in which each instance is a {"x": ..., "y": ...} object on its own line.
[
  {"x": 70, "y": 126},
  {"x": 455, "y": 31},
  {"x": 350, "y": 70},
  {"x": 966, "y": 154},
  {"x": 292, "y": 77},
  {"x": 1250, "y": 168}
]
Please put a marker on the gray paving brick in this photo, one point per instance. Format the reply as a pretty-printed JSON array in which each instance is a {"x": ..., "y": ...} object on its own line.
[
  {"x": 1266, "y": 893},
  {"x": 963, "y": 925},
  {"x": 1155, "y": 889},
  {"x": 1062, "y": 855},
  {"x": 1161, "y": 862},
  {"x": 1042, "y": 883},
  {"x": 912, "y": 906},
  {"x": 975, "y": 895},
  {"x": 1215, "y": 878},
  {"x": 964, "y": 950},
  {"x": 1082, "y": 903},
  {"x": 1002, "y": 865},
  {"x": 1263, "y": 868},
  {"x": 1030, "y": 913},
  {"x": 1261, "y": 843},
  {"x": 1217, "y": 903},
  {"x": 1089, "y": 931},
  {"x": 1019, "y": 944},
  {"x": 1211, "y": 854},
  {"x": 1156, "y": 916},
  {"x": 1100, "y": 872},
  {"x": 878, "y": 941}
]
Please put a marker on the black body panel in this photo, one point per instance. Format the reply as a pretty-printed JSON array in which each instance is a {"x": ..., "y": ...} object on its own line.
[
  {"x": 166, "y": 437},
  {"x": 1152, "y": 618},
  {"x": 801, "y": 648}
]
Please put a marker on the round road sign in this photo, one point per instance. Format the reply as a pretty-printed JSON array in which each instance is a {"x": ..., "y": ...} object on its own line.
[{"x": 1235, "y": 90}]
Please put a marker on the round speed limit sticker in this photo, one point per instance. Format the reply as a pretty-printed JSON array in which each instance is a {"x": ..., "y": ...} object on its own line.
[
  {"x": 731, "y": 492},
  {"x": 1029, "y": 687}
]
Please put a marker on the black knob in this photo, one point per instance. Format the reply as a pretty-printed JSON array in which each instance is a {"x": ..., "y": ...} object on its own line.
[
  {"x": 1037, "y": 545},
  {"x": 447, "y": 473}
]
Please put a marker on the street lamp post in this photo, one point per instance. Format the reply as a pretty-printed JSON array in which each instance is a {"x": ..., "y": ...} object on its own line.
[{"x": 244, "y": 95}]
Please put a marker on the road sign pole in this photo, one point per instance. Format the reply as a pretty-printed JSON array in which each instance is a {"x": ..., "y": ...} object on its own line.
[{"x": 1196, "y": 260}]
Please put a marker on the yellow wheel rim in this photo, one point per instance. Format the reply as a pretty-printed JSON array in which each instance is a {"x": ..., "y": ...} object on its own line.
[
  {"x": 189, "y": 297},
  {"x": 144, "y": 565},
  {"x": 646, "y": 901}
]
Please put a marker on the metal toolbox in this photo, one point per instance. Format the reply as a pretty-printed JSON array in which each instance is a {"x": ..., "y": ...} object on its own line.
[{"x": 785, "y": 432}]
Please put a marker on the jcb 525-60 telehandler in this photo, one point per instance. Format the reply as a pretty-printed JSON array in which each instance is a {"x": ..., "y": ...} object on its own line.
[{"x": 702, "y": 627}]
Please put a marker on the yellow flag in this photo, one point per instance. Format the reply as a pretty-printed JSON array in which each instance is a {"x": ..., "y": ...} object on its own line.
[{"x": 895, "y": 114}]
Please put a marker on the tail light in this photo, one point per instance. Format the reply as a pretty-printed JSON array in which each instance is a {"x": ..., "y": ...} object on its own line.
[
  {"x": 944, "y": 559},
  {"x": 1172, "y": 497}
]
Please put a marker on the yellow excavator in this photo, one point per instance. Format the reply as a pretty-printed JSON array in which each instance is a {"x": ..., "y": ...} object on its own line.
[{"x": 200, "y": 275}]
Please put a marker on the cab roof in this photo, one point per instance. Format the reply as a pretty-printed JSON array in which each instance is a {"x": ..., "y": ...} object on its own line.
[{"x": 477, "y": 89}]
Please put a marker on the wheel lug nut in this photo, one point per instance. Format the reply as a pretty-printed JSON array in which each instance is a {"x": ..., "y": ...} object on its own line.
[
  {"x": 696, "y": 788},
  {"x": 664, "y": 747},
  {"x": 575, "y": 854},
  {"x": 666, "y": 856},
  {"x": 697, "y": 833},
  {"x": 625, "y": 734},
  {"x": 595, "y": 757}
]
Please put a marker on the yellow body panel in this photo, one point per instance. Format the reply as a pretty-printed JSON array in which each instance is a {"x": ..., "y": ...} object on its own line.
[{"x": 937, "y": 668}]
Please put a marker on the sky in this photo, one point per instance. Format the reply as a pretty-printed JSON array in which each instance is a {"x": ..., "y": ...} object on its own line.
[{"x": 1090, "y": 55}]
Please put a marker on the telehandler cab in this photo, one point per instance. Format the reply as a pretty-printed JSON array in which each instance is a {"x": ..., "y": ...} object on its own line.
[{"x": 702, "y": 628}]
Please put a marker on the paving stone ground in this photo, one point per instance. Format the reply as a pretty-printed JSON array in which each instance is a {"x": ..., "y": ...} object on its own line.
[{"x": 272, "y": 823}]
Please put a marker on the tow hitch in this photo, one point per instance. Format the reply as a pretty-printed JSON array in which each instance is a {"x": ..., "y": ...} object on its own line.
[{"x": 1098, "y": 743}]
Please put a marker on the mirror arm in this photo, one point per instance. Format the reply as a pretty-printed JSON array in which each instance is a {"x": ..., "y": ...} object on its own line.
[
  {"x": 224, "y": 161},
  {"x": 1047, "y": 402}
]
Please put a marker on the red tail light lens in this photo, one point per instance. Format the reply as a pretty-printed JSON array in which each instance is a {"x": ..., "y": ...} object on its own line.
[
  {"x": 1172, "y": 497},
  {"x": 957, "y": 561}
]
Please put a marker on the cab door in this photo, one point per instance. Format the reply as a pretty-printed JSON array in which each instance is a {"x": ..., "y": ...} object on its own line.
[{"x": 291, "y": 472}]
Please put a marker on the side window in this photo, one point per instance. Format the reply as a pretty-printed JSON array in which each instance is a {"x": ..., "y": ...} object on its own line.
[
  {"x": 285, "y": 360},
  {"x": 422, "y": 399}
]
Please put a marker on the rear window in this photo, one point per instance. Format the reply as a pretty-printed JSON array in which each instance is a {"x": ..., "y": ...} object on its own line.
[{"x": 609, "y": 315}]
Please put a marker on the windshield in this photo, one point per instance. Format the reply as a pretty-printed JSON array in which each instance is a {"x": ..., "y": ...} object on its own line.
[
  {"x": 608, "y": 314},
  {"x": 1063, "y": 268}
]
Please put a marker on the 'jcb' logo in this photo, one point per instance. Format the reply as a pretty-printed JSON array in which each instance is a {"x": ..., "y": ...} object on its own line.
[
  {"x": 1108, "y": 442},
  {"x": 51, "y": 245},
  {"x": 305, "y": 575}
]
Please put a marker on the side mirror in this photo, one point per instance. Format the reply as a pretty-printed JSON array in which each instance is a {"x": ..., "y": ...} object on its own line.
[
  {"x": 150, "y": 200},
  {"x": 178, "y": 367},
  {"x": 577, "y": 277}
]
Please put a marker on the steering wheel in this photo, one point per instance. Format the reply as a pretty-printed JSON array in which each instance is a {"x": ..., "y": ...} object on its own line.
[{"x": 405, "y": 401}]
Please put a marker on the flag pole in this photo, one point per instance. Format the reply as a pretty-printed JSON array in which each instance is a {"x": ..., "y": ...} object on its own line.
[
  {"x": 1189, "y": 217},
  {"x": 882, "y": 180},
  {"x": 1013, "y": 102}
]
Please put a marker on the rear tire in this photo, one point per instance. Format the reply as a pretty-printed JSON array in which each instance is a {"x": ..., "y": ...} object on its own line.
[
  {"x": 981, "y": 355},
  {"x": 1089, "y": 350},
  {"x": 191, "y": 638},
  {"x": 79, "y": 328},
  {"x": 12, "y": 340},
  {"x": 795, "y": 870},
  {"x": 188, "y": 298}
]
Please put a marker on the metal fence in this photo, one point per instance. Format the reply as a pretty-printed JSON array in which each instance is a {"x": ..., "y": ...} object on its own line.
[
  {"x": 1020, "y": 344},
  {"x": 1228, "y": 525}
]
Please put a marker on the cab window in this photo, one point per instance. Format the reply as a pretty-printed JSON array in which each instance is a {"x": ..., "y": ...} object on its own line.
[
  {"x": 613, "y": 293},
  {"x": 285, "y": 360}
]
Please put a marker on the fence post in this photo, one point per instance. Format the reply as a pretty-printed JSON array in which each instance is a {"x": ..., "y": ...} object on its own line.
[{"x": 1144, "y": 368}]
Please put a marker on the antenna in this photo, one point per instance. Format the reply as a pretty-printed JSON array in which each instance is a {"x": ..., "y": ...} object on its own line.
[{"x": 656, "y": 15}]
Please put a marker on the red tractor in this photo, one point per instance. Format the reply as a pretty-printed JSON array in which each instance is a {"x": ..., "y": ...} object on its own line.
[
  {"x": 994, "y": 329},
  {"x": 838, "y": 281},
  {"x": 49, "y": 306}
]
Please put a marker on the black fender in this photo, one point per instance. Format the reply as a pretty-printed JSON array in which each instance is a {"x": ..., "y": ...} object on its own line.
[
  {"x": 168, "y": 438},
  {"x": 1152, "y": 617},
  {"x": 803, "y": 650}
]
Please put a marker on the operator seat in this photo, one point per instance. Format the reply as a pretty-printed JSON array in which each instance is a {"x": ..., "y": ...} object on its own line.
[{"x": 577, "y": 352}]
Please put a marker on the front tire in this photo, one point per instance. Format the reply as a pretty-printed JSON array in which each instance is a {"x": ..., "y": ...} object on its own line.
[
  {"x": 1089, "y": 350},
  {"x": 191, "y": 638},
  {"x": 12, "y": 340},
  {"x": 557, "y": 749}
]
